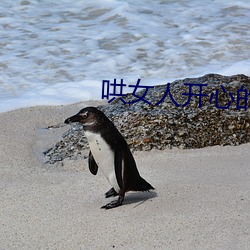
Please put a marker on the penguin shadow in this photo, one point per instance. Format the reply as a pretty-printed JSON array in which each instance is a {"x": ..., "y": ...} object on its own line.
[{"x": 138, "y": 198}]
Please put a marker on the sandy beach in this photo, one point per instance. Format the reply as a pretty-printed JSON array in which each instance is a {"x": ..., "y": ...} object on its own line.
[{"x": 201, "y": 198}]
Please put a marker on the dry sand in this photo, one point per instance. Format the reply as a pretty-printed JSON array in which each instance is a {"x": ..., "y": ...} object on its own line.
[{"x": 201, "y": 201}]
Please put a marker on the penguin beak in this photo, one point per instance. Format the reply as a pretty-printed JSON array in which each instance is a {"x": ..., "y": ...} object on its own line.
[{"x": 74, "y": 118}]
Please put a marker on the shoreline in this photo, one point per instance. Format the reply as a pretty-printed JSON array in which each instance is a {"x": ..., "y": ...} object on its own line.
[{"x": 201, "y": 198}]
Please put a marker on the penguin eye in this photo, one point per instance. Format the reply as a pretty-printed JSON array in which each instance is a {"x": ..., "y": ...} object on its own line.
[{"x": 84, "y": 115}]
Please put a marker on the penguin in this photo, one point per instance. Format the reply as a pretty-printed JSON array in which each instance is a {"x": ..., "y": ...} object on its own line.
[{"x": 110, "y": 152}]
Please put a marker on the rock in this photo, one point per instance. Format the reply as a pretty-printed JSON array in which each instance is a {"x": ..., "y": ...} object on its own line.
[{"x": 165, "y": 126}]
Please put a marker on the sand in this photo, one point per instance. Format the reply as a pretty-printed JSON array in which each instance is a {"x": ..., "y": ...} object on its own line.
[{"x": 201, "y": 200}]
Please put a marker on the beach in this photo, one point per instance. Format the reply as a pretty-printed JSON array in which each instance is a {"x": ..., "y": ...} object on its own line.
[
  {"x": 201, "y": 198},
  {"x": 55, "y": 58}
]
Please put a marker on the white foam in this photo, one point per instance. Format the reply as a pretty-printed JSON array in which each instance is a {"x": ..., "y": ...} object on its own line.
[
  {"x": 242, "y": 67},
  {"x": 56, "y": 53}
]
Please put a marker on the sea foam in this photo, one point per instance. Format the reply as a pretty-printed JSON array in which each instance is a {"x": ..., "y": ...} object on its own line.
[{"x": 56, "y": 53}]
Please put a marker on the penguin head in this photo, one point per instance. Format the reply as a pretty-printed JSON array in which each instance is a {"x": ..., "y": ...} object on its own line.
[{"x": 88, "y": 117}]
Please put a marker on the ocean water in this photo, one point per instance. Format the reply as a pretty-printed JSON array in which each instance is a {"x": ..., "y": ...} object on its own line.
[{"x": 58, "y": 52}]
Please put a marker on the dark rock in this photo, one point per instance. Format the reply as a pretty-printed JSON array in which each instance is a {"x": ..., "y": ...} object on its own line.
[{"x": 147, "y": 126}]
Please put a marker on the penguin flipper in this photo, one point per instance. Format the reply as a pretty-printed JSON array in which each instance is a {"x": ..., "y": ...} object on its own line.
[
  {"x": 118, "y": 166},
  {"x": 93, "y": 167}
]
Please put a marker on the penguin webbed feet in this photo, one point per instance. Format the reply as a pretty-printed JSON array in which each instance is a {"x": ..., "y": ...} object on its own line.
[
  {"x": 115, "y": 203},
  {"x": 111, "y": 193}
]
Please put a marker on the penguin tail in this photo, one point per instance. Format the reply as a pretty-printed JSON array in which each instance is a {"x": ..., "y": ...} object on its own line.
[{"x": 141, "y": 185}]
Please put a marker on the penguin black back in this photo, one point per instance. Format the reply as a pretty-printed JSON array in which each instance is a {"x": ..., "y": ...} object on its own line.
[{"x": 110, "y": 151}]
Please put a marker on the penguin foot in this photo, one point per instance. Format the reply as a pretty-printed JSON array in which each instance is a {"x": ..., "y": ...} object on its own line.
[
  {"x": 111, "y": 193},
  {"x": 113, "y": 204}
]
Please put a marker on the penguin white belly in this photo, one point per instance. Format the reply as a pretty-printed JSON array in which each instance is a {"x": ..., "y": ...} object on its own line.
[{"x": 104, "y": 157}]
